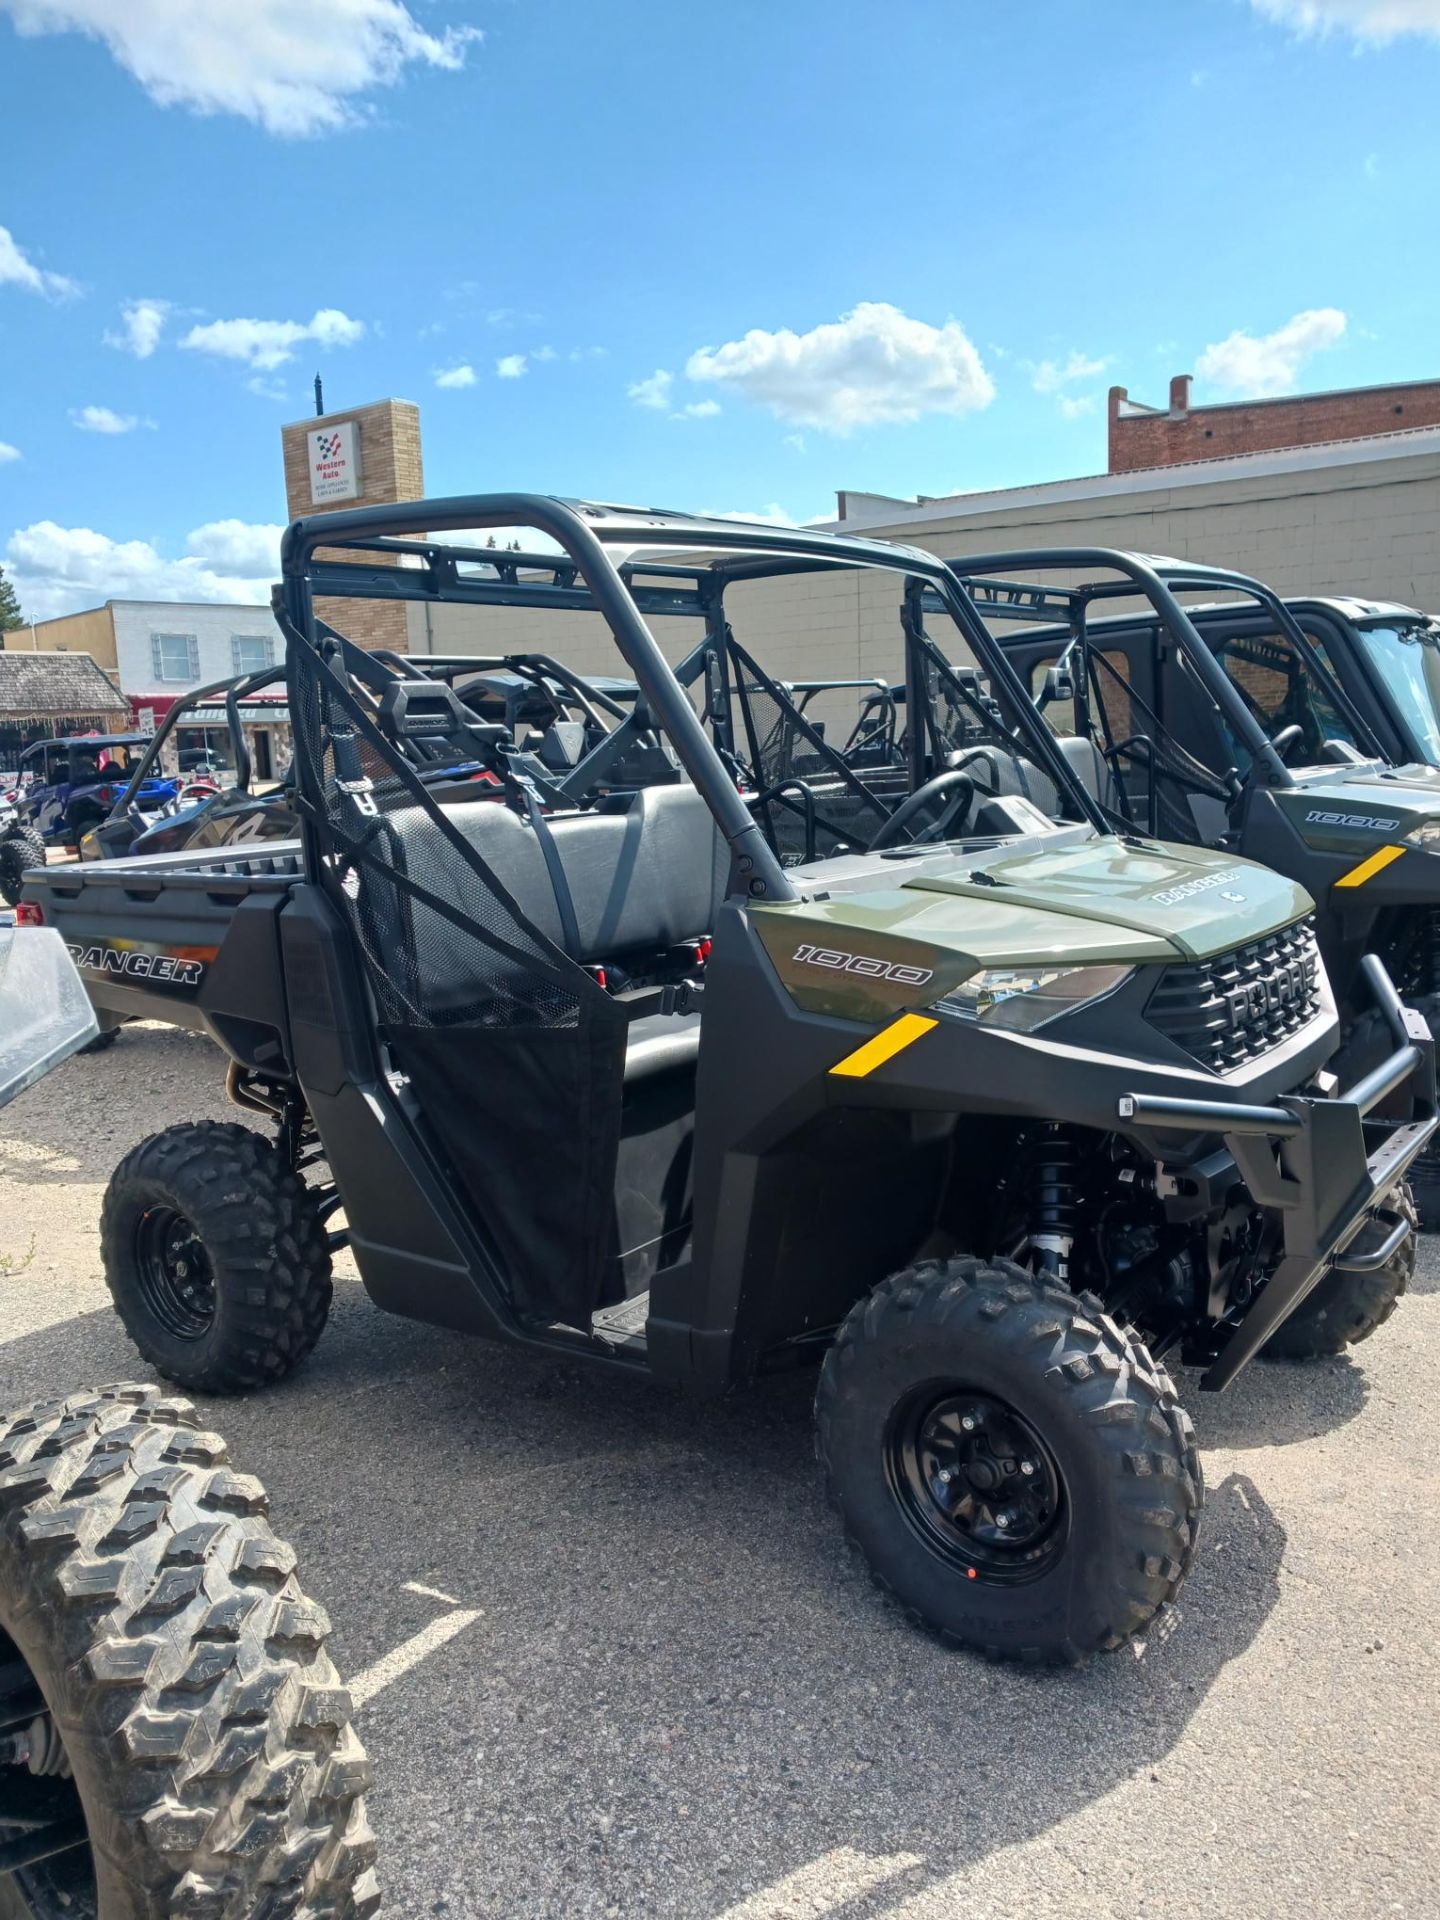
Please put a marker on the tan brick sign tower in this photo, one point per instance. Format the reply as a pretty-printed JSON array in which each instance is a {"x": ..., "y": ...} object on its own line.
[{"x": 365, "y": 457}]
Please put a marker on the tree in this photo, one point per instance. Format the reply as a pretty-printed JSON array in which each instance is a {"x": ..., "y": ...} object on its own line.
[{"x": 10, "y": 614}]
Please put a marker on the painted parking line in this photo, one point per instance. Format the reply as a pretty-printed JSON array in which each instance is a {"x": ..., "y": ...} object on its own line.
[
  {"x": 429, "y": 1593},
  {"x": 407, "y": 1656},
  {"x": 824, "y": 1886}
]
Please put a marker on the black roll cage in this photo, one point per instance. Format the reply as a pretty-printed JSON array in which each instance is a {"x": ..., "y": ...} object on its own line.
[
  {"x": 995, "y": 585},
  {"x": 584, "y": 576},
  {"x": 235, "y": 689}
]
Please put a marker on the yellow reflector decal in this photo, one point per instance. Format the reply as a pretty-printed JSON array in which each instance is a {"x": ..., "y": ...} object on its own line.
[
  {"x": 884, "y": 1046},
  {"x": 1368, "y": 869}
]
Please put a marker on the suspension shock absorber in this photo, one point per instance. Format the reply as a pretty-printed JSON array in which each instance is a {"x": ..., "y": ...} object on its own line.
[{"x": 1054, "y": 1200}]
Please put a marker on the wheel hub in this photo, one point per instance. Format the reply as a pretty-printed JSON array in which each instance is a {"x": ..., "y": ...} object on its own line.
[
  {"x": 977, "y": 1482},
  {"x": 175, "y": 1273}
]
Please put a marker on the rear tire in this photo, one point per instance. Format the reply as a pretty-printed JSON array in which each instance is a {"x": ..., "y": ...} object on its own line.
[
  {"x": 1066, "y": 1389},
  {"x": 21, "y": 849},
  {"x": 216, "y": 1257},
  {"x": 1347, "y": 1307},
  {"x": 106, "y": 1037},
  {"x": 206, "y": 1732}
]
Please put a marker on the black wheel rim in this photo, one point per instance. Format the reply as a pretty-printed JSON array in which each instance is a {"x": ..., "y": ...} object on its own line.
[
  {"x": 977, "y": 1483},
  {"x": 44, "y": 1845},
  {"x": 177, "y": 1281}
]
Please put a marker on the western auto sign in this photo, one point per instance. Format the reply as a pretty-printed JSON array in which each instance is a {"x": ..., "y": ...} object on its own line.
[{"x": 335, "y": 463}]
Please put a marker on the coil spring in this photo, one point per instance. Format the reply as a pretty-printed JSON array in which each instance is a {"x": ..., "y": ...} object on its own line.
[{"x": 1054, "y": 1200}]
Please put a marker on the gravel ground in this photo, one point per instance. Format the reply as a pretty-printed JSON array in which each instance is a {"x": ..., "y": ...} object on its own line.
[{"x": 681, "y": 1698}]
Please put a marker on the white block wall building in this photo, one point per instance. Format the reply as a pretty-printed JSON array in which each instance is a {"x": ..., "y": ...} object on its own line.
[
  {"x": 1357, "y": 517},
  {"x": 166, "y": 648}
]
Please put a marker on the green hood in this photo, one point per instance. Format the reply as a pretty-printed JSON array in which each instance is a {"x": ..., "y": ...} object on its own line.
[
  {"x": 1092, "y": 902},
  {"x": 1351, "y": 811}
]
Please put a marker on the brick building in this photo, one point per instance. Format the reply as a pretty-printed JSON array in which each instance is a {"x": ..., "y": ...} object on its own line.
[
  {"x": 377, "y": 461},
  {"x": 1142, "y": 436}
]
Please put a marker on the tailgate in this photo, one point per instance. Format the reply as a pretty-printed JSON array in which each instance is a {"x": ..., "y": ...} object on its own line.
[{"x": 145, "y": 933}]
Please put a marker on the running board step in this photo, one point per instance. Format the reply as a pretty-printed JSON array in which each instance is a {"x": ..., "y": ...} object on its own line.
[{"x": 623, "y": 1325}]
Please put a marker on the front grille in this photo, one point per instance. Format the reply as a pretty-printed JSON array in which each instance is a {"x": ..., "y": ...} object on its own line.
[{"x": 1235, "y": 1008}]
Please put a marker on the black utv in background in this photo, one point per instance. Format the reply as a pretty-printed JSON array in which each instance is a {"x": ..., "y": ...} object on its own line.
[
  {"x": 1224, "y": 726},
  {"x": 606, "y": 1079}
]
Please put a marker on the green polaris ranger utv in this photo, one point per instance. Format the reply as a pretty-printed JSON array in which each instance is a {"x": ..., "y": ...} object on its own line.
[
  {"x": 956, "y": 1123},
  {"x": 1224, "y": 725}
]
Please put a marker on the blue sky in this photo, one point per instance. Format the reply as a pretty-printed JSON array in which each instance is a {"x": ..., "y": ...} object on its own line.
[{"x": 569, "y": 200}]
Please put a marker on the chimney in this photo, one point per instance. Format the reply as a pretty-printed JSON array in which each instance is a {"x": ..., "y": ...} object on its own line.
[{"x": 1180, "y": 396}]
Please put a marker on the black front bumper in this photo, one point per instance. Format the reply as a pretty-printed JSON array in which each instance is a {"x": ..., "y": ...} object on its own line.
[{"x": 1320, "y": 1163}]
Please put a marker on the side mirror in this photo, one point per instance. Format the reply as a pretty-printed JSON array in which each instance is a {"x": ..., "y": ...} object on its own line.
[{"x": 1059, "y": 684}]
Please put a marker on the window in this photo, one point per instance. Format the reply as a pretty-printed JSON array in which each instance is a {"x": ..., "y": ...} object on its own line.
[
  {"x": 1277, "y": 685},
  {"x": 175, "y": 656},
  {"x": 251, "y": 652}
]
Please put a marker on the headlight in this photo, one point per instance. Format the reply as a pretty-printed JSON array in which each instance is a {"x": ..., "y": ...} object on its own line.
[
  {"x": 1427, "y": 834},
  {"x": 1024, "y": 998}
]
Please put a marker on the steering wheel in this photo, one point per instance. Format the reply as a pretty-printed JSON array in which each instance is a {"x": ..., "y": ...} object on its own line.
[
  {"x": 1286, "y": 738},
  {"x": 953, "y": 781}
]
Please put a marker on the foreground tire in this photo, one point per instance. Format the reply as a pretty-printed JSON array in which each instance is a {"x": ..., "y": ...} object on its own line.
[
  {"x": 148, "y": 1611},
  {"x": 216, "y": 1257},
  {"x": 1014, "y": 1468},
  {"x": 106, "y": 1038},
  {"x": 21, "y": 849},
  {"x": 1347, "y": 1307}
]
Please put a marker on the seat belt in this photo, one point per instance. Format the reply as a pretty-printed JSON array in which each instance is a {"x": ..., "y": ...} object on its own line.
[{"x": 554, "y": 865}]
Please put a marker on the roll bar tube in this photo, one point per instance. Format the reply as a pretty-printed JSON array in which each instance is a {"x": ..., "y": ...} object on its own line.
[
  {"x": 234, "y": 691},
  {"x": 1153, "y": 583}
]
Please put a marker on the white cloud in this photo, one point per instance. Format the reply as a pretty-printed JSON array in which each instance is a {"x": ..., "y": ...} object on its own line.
[
  {"x": 795, "y": 440},
  {"x": 511, "y": 366},
  {"x": 1256, "y": 369},
  {"x": 106, "y": 420},
  {"x": 268, "y": 389},
  {"x": 1051, "y": 375},
  {"x": 17, "y": 269},
  {"x": 461, "y": 376},
  {"x": 292, "y": 68},
  {"x": 544, "y": 353},
  {"x": 874, "y": 364},
  {"x": 142, "y": 323},
  {"x": 61, "y": 569},
  {"x": 1075, "y": 406},
  {"x": 652, "y": 392},
  {"x": 697, "y": 410},
  {"x": 264, "y": 344},
  {"x": 251, "y": 549},
  {"x": 1372, "y": 21},
  {"x": 8, "y": 453}
]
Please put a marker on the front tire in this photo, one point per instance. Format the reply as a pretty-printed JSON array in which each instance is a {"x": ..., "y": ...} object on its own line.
[
  {"x": 21, "y": 849},
  {"x": 1093, "y": 1466},
  {"x": 1346, "y": 1307},
  {"x": 149, "y": 1615},
  {"x": 216, "y": 1257}
]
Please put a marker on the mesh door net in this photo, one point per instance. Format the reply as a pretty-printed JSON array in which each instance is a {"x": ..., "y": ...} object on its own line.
[{"x": 515, "y": 1054}]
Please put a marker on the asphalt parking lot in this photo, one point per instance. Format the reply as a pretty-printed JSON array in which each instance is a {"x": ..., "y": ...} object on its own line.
[{"x": 616, "y": 1660}]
